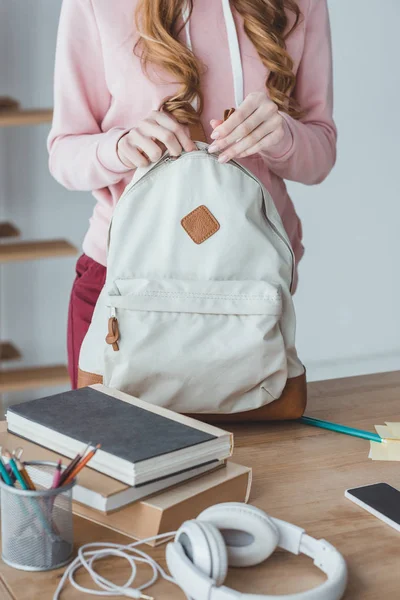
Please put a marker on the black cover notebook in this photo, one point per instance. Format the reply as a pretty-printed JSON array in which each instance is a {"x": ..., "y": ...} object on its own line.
[{"x": 125, "y": 428}]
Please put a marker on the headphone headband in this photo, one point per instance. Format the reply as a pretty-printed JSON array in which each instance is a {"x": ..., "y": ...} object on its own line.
[{"x": 197, "y": 584}]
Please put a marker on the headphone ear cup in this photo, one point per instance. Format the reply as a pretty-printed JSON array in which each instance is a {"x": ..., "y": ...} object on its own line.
[
  {"x": 194, "y": 543},
  {"x": 250, "y": 536},
  {"x": 217, "y": 548}
]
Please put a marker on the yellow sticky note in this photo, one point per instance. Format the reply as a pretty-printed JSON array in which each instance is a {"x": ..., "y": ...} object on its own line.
[
  {"x": 378, "y": 451},
  {"x": 385, "y": 432},
  {"x": 385, "y": 451},
  {"x": 395, "y": 429},
  {"x": 393, "y": 450}
]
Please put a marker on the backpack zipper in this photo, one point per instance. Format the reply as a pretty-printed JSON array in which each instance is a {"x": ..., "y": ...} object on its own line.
[
  {"x": 161, "y": 163},
  {"x": 272, "y": 224}
]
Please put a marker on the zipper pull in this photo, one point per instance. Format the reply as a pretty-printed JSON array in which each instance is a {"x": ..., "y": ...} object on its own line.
[{"x": 113, "y": 333}]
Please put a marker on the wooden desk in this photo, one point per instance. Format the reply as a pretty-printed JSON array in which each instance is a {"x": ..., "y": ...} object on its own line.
[{"x": 300, "y": 475}]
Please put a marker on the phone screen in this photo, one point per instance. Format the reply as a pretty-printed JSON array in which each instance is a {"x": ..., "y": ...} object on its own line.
[{"x": 382, "y": 497}]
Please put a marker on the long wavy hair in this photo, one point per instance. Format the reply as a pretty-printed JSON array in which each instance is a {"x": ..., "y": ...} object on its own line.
[{"x": 266, "y": 23}]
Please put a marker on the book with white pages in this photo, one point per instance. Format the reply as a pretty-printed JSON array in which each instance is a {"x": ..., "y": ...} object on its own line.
[
  {"x": 108, "y": 495},
  {"x": 140, "y": 442},
  {"x": 93, "y": 489}
]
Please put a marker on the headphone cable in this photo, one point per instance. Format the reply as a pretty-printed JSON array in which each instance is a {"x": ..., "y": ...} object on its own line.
[{"x": 88, "y": 554}]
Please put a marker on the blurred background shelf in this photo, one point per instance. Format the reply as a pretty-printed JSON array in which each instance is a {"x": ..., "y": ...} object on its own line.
[
  {"x": 8, "y": 230},
  {"x": 35, "y": 250},
  {"x": 9, "y": 352},
  {"x": 12, "y": 117},
  {"x": 12, "y": 250},
  {"x": 32, "y": 378}
]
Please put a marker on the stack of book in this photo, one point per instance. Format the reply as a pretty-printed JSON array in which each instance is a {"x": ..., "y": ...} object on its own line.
[{"x": 154, "y": 469}]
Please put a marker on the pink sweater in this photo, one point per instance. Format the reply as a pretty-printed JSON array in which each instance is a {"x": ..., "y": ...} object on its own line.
[{"x": 101, "y": 91}]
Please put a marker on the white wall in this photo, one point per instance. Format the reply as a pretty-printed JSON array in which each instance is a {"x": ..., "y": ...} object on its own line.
[{"x": 347, "y": 302}]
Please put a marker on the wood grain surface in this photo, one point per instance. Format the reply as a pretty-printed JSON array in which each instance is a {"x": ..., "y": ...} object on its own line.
[{"x": 300, "y": 475}]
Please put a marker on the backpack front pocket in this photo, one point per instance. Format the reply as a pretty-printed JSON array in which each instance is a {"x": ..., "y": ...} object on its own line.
[{"x": 197, "y": 346}]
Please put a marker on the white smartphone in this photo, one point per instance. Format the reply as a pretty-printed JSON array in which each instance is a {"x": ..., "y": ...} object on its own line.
[{"x": 380, "y": 499}]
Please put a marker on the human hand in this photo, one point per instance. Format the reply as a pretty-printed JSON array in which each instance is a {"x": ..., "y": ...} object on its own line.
[
  {"x": 256, "y": 126},
  {"x": 146, "y": 142}
]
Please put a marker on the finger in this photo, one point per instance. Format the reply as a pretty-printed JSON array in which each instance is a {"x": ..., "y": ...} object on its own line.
[
  {"x": 240, "y": 132},
  {"x": 132, "y": 157},
  {"x": 145, "y": 143},
  {"x": 247, "y": 142},
  {"x": 248, "y": 106},
  {"x": 215, "y": 123},
  {"x": 180, "y": 131},
  {"x": 263, "y": 145},
  {"x": 267, "y": 113},
  {"x": 151, "y": 129},
  {"x": 264, "y": 129}
]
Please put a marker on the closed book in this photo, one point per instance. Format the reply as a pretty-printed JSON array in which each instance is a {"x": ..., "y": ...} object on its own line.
[
  {"x": 165, "y": 512},
  {"x": 139, "y": 441},
  {"x": 93, "y": 489}
]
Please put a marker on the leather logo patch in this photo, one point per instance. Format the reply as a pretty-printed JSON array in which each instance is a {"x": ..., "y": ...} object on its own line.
[{"x": 200, "y": 224}]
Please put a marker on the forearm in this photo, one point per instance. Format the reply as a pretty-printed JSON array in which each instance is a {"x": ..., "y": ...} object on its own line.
[
  {"x": 307, "y": 152},
  {"x": 86, "y": 161},
  {"x": 82, "y": 157}
]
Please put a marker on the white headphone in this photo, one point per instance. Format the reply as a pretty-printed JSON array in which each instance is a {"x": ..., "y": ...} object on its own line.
[
  {"x": 232, "y": 534},
  {"x": 240, "y": 535}
]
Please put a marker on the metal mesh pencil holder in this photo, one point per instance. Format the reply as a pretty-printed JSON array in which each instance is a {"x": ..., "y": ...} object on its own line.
[{"x": 37, "y": 526}]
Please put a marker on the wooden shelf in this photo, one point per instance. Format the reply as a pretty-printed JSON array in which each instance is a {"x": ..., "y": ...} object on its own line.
[
  {"x": 9, "y": 352},
  {"x": 14, "y": 380},
  {"x": 12, "y": 115},
  {"x": 8, "y": 230},
  {"x": 11, "y": 118},
  {"x": 36, "y": 250}
]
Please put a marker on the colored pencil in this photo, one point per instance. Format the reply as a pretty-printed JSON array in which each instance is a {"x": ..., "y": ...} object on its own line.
[
  {"x": 5, "y": 474},
  {"x": 36, "y": 506},
  {"x": 360, "y": 433},
  {"x": 25, "y": 475},
  {"x": 57, "y": 476},
  {"x": 80, "y": 465},
  {"x": 73, "y": 464},
  {"x": 16, "y": 472}
]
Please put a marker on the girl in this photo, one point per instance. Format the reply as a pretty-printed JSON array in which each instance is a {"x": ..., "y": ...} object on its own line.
[{"x": 125, "y": 79}]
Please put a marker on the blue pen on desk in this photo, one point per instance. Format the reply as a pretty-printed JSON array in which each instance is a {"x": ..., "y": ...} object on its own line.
[{"x": 366, "y": 435}]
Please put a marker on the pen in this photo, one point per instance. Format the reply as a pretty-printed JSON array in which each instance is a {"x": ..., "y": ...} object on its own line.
[
  {"x": 57, "y": 476},
  {"x": 373, "y": 437},
  {"x": 80, "y": 465}
]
